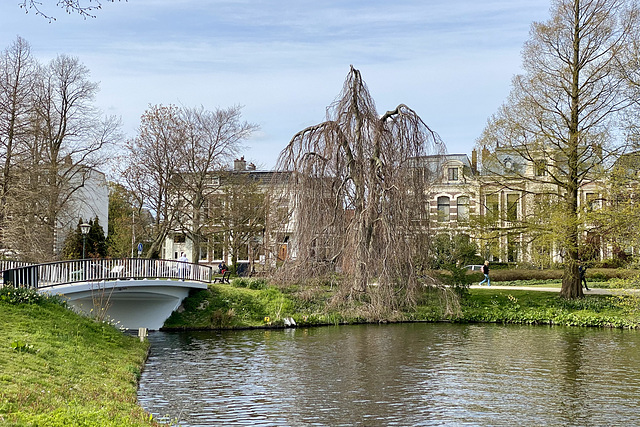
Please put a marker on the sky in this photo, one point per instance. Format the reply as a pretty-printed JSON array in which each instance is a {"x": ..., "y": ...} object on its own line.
[{"x": 285, "y": 61}]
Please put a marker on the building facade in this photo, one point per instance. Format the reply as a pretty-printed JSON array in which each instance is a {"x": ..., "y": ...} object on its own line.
[
  {"x": 503, "y": 206},
  {"x": 234, "y": 219}
]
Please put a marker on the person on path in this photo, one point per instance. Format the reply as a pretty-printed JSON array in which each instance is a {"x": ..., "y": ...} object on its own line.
[
  {"x": 485, "y": 271},
  {"x": 583, "y": 279}
]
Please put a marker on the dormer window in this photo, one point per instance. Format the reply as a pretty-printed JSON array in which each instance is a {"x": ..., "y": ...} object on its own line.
[
  {"x": 452, "y": 174},
  {"x": 540, "y": 167},
  {"x": 508, "y": 164}
]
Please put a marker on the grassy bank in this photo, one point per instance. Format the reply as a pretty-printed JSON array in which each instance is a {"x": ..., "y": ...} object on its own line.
[
  {"x": 252, "y": 303},
  {"x": 547, "y": 308},
  {"x": 60, "y": 369}
]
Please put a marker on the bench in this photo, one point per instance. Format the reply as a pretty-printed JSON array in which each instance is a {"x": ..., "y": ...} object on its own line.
[{"x": 224, "y": 278}]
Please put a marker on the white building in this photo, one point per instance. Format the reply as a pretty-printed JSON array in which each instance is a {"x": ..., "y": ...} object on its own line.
[{"x": 89, "y": 200}]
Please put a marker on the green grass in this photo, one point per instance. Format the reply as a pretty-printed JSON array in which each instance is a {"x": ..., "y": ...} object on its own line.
[
  {"x": 60, "y": 369},
  {"x": 539, "y": 307},
  {"x": 252, "y": 303},
  {"x": 255, "y": 304}
]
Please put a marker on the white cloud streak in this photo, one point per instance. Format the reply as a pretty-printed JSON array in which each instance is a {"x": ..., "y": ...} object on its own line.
[{"x": 285, "y": 61}]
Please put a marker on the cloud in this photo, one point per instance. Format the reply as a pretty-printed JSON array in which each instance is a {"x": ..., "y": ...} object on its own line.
[{"x": 285, "y": 61}]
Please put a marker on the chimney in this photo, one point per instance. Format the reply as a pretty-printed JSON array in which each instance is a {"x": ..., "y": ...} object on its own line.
[
  {"x": 474, "y": 161},
  {"x": 485, "y": 157},
  {"x": 239, "y": 164}
]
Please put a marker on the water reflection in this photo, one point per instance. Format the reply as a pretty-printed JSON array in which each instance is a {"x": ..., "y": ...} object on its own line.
[{"x": 412, "y": 374}]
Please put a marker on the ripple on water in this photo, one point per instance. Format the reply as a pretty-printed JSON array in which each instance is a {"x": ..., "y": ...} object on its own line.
[{"x": 418, "y": 374}]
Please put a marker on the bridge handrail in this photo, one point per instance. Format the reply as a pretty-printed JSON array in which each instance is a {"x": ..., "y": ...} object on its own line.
[
  {"x": 96, "y": 270},
  {"x": 6, "y": 264}
]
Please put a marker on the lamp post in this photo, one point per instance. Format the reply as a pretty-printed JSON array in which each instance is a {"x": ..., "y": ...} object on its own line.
[{"x": 84, "y": 229}]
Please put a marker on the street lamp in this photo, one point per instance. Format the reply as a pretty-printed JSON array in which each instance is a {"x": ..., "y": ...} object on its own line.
[{"x": 84, "y": 229}]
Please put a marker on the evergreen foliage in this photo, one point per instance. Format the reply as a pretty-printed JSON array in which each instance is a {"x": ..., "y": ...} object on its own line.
[{"x": 95, "y": 245}]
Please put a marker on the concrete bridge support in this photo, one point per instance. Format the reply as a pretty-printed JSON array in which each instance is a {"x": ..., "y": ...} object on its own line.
[{"x": 130, "y": 304}]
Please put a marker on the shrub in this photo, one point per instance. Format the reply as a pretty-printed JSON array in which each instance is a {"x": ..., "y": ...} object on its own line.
[
  {"x": 249, "y": 283},
  {"x": 521, "y": 274},
  {"x": 16, "y": 296}
]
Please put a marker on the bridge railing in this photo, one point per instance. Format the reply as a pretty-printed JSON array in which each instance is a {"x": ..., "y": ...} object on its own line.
[
  {"x": 6, "y": 264},
  {"x": 95, "y": 270}
]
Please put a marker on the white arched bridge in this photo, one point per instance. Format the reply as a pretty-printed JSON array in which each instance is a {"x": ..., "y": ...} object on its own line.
[{"x": 133, "y": 292}]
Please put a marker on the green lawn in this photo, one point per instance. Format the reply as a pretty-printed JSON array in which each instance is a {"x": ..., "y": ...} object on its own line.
[
  {"x": 255, "y": 304},
  {"x": 60, "y": 369},
  {"x": 539, "y": 307}
]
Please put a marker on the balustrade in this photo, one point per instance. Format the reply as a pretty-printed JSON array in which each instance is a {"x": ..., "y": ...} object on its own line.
[{"x": 94, "y": 270}]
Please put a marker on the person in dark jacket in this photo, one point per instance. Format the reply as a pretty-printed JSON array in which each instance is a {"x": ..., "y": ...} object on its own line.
[
  {"x": 222, "y": 267},
  {"x": 583, "y": 279},
  {"x": 485, "y": 271}
]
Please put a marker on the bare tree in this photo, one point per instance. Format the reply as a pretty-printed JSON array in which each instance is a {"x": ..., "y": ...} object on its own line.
[
  {"x": 237, "y": 214},
  {"x": 171, "y": 164},
  {"x": 18, "y": 73},
  {"x": 52, "y": 137},
  {"x": 85, "y": 9},
  {"x": 69, "y": 139},
  {"x": 152, "y": 167},
  {"x": 561, "y": 113},
  {"x": 212, "y": 139},
  {"x": 358, "y": 193}
]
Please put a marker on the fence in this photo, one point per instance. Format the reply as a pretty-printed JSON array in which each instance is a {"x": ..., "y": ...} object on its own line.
[
  {"x": 8, "y": 265},
  {"x": 92, "y": 270}
]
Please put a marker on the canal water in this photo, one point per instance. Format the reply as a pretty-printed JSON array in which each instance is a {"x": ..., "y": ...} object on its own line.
[{"x": 395, "y": 375}]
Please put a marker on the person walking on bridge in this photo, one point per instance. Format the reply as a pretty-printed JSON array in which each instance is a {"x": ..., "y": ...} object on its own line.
[
  {"x": 182, "y": 266},
  {"x": 485, "y": 271}
]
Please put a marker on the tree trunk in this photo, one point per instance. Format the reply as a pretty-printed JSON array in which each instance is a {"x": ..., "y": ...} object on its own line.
[{"x": 571, "y": 286}]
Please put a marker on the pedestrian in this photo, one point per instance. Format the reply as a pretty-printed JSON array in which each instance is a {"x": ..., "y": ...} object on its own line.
[
  {"x": 583, "y": 276},
  {"x": 485, "y": 271},
  {"x": 182, "y": 265}
]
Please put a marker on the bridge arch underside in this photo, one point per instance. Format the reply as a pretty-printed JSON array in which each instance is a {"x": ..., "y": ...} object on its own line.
[{"x": 129, "y": 304}]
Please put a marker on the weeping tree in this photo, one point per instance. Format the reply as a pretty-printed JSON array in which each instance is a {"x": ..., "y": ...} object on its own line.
[{"x": 358, "y": 193}]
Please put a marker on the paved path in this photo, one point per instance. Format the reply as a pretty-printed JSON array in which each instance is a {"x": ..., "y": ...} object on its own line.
[{"x": 591, "y": 291}]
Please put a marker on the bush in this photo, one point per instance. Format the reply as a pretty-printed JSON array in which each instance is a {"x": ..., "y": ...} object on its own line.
[
  {"x": 520, "y": 274},
  {"x": 249, "y": 283},
  {"x": 16, "y": 296}
]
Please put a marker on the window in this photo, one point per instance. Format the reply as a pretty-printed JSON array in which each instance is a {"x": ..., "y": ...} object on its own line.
[
  {"x": 243, "y": 253},
  {"x": 592, "y": 201},
  {"x": 179, "y": 238},
  {"x": 491, "y": 207},
  {"x": 452, "y": 173},
  {"x": 540, "y": 167},
  {"x": 217, "y": 247},
  {"x": 443, "y": 209},
  {"x": 463, "y": 209},
  {"x": 513, "y": 247},
  {"x": 512, "y": 207},
  {"x": 205, "y": 210}
]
